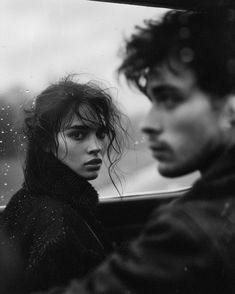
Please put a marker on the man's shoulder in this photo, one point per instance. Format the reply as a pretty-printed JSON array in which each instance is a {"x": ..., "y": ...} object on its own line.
[{"x": 203, "y": 216}]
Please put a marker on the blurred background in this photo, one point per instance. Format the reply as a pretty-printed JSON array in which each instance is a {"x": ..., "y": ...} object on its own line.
[{"x": 41, "y": 42}]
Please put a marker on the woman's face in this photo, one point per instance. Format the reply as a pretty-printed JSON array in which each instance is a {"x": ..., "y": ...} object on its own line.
[{"x": 82, "y": 147}]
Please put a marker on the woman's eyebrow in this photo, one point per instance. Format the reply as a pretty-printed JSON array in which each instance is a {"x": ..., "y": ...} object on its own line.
[{"x": 78, "y": 127}]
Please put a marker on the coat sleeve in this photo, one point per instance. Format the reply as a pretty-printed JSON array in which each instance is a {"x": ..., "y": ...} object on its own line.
[
  {"x": 58, "y": 254},
  {"x": 172, "y": 255}
]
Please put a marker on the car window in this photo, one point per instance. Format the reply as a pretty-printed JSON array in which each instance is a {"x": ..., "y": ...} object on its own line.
[{"x": 42, "y": 41}]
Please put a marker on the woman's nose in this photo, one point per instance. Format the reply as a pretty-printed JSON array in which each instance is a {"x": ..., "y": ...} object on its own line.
[{"x": 94, "y": 146}]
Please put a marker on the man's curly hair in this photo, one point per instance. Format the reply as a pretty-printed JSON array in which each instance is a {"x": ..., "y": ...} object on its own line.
[{"x": 202, "y": 41}]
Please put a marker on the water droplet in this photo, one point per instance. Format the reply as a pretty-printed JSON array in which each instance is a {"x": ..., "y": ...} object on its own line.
[{"x": 143, "y": 139}]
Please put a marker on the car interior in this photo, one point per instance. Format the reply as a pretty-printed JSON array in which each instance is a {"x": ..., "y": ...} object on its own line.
[{"x": 123, "y": 217}]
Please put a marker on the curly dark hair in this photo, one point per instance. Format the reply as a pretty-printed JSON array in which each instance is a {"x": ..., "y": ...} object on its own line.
[
  {"x": 202, "y": 41},
  {"x": 54, "y": 109}
]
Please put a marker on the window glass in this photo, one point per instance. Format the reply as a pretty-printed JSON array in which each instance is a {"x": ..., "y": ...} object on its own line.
[{"x": 42, "y": 41}]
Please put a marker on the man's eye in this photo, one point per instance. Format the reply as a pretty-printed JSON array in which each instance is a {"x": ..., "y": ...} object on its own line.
[{"x": 168, "y": 100}]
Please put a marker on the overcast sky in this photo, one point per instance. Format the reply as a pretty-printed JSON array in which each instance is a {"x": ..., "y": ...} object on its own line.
[{"x": 43, "y": 40}]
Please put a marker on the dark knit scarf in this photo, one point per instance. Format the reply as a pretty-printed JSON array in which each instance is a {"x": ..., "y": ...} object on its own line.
[{"x": 58, "y": 181}]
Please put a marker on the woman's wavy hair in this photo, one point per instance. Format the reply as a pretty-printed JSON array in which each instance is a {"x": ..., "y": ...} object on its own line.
[
  {"x": 201, "y": 41},
  {"x": 54, "y": 109}
]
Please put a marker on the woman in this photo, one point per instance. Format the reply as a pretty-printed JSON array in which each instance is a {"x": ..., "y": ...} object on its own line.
[{"x": 69, "y": 130}]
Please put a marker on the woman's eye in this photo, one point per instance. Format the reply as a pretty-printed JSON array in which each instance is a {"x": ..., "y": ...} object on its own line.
[
  {"x": 77, "y": 135},
  {"x": 101, "y": 134}
]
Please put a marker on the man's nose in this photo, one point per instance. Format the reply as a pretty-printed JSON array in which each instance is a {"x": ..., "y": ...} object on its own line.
[{"x": 151, "y": 124}]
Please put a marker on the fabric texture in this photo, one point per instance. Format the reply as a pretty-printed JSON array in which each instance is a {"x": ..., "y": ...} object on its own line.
[
  {"x": 51, "y": 219},
  {"x": 187, "y": 246}
]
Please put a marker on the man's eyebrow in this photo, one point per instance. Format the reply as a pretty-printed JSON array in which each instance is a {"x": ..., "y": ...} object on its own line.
[
  {"x": 158, "y": 89},
  {"x": 163, "y": 88}
]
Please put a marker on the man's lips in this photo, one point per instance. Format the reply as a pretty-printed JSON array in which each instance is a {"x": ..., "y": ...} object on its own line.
[
  {"x": 95, "y": 161},
  {"x": 159, "y": 150},
  {"x": 158, "y": 147}
]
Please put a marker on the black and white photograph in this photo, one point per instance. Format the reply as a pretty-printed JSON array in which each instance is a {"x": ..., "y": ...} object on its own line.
[{"x": 117, "y": 122}]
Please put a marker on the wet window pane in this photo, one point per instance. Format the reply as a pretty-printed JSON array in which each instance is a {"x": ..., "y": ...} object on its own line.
[{"x": 42, "y": 41}]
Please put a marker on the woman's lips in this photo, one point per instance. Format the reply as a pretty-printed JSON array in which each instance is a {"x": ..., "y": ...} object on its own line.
[{"x": 94, "y": 163}]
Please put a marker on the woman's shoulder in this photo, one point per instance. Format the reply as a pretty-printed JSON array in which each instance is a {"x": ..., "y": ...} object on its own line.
[
  {"x": 54, "y": 213},
  {"x": 40, "y": 209}
]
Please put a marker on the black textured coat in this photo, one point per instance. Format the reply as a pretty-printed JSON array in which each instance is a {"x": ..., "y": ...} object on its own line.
[
  {"x": 52, "y": 221},
  {"x": 187, "y": 247}
]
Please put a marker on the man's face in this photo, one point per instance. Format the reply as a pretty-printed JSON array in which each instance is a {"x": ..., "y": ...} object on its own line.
[{"x": 183, "y": 128}]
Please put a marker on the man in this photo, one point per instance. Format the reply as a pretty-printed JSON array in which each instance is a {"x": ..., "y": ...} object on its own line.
[{"x": 185, "y": 65}]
